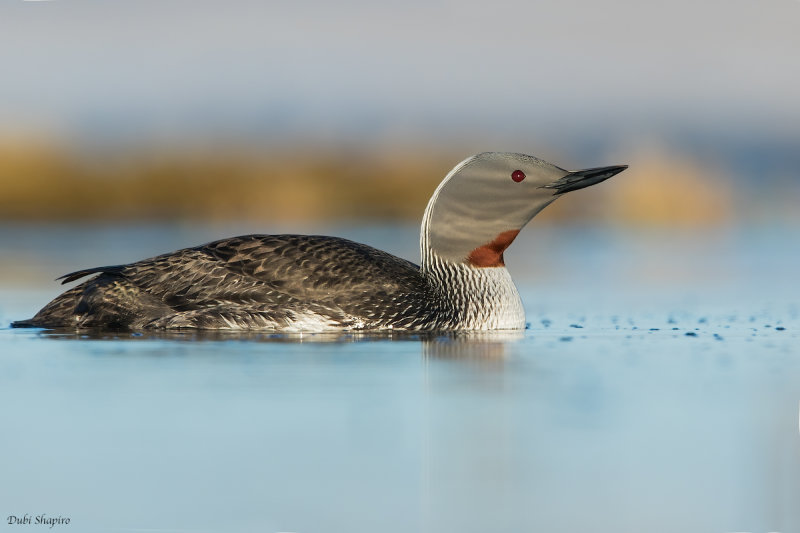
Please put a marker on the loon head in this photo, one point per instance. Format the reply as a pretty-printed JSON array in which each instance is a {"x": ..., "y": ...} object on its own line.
[{"x": 484, "y": 202}]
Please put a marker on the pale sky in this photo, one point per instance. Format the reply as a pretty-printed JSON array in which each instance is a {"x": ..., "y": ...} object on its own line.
[{"x": 441, "y": 69}]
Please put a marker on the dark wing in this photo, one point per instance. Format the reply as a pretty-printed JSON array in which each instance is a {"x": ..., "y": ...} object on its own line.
[
  {"x": 254, "y": 281},
  {"x": 313, "y": 267},
  {"x": 328, "y": 276}
]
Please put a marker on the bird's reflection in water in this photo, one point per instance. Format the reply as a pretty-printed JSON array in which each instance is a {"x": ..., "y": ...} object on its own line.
[
  {"x": 475, "y": 346},
  {"x": 205, "y": 335},
  {"x": 481, "y": 347}
]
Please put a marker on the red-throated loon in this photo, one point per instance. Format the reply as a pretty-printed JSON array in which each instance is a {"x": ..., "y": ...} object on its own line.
[{"x": 316, "y": 283}]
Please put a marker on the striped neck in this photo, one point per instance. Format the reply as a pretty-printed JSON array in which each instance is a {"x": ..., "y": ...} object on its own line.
[{"x": 478, "y": 298}]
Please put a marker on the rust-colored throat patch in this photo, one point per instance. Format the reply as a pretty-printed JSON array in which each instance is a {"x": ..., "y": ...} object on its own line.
[{"x": 491, "y": 253}]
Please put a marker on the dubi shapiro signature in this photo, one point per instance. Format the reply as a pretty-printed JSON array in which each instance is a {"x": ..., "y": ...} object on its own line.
[{"x": 37, "y": 520}]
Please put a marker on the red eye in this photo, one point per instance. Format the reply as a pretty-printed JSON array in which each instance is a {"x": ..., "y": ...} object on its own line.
[{"x": 518, "y": 175}]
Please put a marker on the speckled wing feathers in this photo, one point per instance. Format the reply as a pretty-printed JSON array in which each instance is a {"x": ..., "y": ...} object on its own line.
[
  {"x": 354, "y": 283},
  {"x": 252, "y": 282}
]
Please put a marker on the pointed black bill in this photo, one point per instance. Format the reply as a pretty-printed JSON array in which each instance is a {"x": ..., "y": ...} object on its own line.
[{"x": 580, "y": 179}]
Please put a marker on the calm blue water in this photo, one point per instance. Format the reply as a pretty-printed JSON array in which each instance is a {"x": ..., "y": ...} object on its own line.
[{"x": 657, "y": 389}]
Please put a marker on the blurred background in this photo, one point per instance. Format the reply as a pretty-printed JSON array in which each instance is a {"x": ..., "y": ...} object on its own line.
[{"x": 276, "y": 111}]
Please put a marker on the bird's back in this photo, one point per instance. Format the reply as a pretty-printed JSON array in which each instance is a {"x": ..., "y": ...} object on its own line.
[{"x": 278, "y": 282}]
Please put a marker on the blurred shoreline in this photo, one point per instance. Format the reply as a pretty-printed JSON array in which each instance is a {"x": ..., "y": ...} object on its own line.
[{"x": 56, "y": 182}]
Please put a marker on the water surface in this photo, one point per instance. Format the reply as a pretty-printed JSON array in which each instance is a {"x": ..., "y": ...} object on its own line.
[{"x": 656, "y": 389}]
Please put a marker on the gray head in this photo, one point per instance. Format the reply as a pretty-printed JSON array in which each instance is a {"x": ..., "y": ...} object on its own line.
[{"x": 483, "y": 203}]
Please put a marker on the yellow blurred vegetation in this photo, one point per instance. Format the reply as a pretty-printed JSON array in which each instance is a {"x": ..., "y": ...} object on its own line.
[
  {"x": 50, "y": 182},
  {"x": 659, "y": 188},
  {"x": 41, "y": 182}
]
